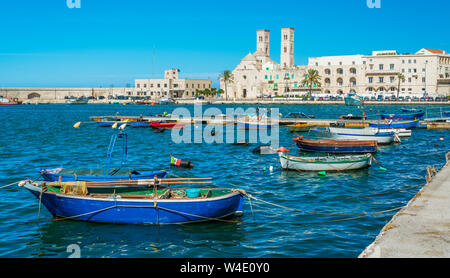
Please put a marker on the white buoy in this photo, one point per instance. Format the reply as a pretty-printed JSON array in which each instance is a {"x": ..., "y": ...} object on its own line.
[{"x": 271, "y": 168}]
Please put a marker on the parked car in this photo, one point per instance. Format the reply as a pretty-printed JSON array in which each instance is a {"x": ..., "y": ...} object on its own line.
[
  {"x": 401, "y": 99},
  {"x": 430, "y": 99},
  {"x": 422, "y": 99}
]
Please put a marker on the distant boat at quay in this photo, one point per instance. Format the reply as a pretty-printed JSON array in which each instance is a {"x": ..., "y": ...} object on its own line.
[
  {"x": 395, "y": 124},
  {"x": 353, "y": 100},
  {"x": 402, "y": 117},
  {"x": 5, "y": 101},
  {"x": 77, "y": 101}
]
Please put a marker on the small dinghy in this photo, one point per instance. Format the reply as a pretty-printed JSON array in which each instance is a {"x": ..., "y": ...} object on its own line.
[
  {"x": 336, "y": 146},
  {"x": 301, "y": 127},
  {"x": 144, "y": 205},
  {"x": 325, "y": 163}
]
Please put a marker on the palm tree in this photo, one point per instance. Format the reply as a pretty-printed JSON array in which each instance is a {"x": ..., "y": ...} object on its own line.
[
  {"x": 227, "y": 77},
  {"x": 401, "y": 78},
  {"x": 311, "y": 78}
]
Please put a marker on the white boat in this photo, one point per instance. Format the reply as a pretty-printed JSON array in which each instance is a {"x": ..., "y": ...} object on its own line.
[
  {"x": 399, "y": 132},
  {"x": 367, "y": 133},
  {"x": 166, "y": 100},
  {"x": 332, "y": 163}
]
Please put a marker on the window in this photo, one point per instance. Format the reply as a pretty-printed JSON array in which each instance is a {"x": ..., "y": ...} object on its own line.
[
  {"x": 138, "y": 85},
  {"x": 370, "y": 80},
  {"x": 423, "y": 79},
  {"x": 392, "y": 79},
  {"x": 159, "y": 85},
  {"x": 392, "y": 66},
  {"x": 403, "y": 70},
  {"x": 371, "y": 67},
  {"x": 381, "y": 66},
  {"x": 292, "y": 76},
  {"x": 415, "y": 70},
  {"x": 165, "y": 85},
  {"x": 381, "y": 80},
  {"x": 265, "y": 77},
  {"x": 409, "y": 80},
  {"x": 278, "y": 77}
]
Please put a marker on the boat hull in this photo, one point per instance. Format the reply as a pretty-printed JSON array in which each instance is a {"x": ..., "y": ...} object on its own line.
[
  {"x": 395, "y": 124},
  {"x": 310, "y": 164},
  {"x": 400, "y": 117},
  {"x": 299, "y": 128},
  {"x": 49, "y": 176},
  {"x": 337, "y": 146},
  {"x": 372, "y": 134},
  {"x": 145, "y": 211}
]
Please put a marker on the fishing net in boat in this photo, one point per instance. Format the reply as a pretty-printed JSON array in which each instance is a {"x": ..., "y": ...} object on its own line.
[{"x": 74, "y": 188}]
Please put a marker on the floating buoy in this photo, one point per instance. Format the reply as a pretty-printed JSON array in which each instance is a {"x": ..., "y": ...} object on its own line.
[
  {"x": 77, "y": 125},
  {"x": 271, "y": 168},
  {"x": 182, "y": 163},
  {"x": 442, "y": 139},
  {"x": 264, "y": 169},
  {"x": 282, "y": 150},
  {"x": 323, "y": 173}
]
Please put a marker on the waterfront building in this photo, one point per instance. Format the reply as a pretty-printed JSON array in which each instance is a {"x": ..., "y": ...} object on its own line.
[
  {"x": 425, "y": 72},
  {"x": 170, "y": 86}
]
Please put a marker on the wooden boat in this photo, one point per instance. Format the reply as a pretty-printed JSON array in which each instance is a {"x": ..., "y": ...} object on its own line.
[
  {"x": 336, "y": 146},
  {"x": 301, "y": 127},
  {"x": 331, "y": 164},
  {"x": 254, "y": 125},
  {"x": 5, "y": 101},
  {"x": 155, "y": 205},
  {"x": 364, "y": 134},
  {"x": 395, "y": 124},
  {"x": 158, "y": 125},
  {"x": 402, "y": 117}
]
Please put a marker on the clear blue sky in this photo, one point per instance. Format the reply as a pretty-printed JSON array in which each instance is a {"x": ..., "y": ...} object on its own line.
[{"x": 45, "y": 44}]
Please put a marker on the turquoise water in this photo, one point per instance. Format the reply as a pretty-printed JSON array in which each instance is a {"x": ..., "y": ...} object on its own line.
[{"x": 42, "y": 135}]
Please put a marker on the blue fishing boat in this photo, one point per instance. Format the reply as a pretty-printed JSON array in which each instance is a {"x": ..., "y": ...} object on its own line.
[
  {"x": 106, "y": 174},
  {"x": 446, "y": 114},
  {"x": 395, "y": 124},
  {"x": 411, "y": 110},
  {"x": 142, "y": 206},
  {"x": 139, "y": 124},
  {"x": 400, "y": 117}
]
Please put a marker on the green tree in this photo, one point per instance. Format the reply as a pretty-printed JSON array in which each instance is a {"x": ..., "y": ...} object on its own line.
[
  {"x": 400, "y": 78},
  {"x": 227, "y": 77},
  {"x": 312, "y": 77}
]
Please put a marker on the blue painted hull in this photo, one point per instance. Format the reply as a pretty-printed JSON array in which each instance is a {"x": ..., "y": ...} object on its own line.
[
  {"x": 396, "y": 124},
  {"x": 110, "y": 124},
  {"x": 129, "y": 211},
  {"x": 337, "y": 149},
  {"x": 139, "y": 124},
  {"x": 144, "y": 175},
  {"x": 447, "y": 113},
  {"x": 402, "y": 116}
]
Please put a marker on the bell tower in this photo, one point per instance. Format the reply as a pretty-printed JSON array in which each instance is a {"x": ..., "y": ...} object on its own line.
[
  {"x": 287, "y": 47},
  {"x": 263, "y": 41}
]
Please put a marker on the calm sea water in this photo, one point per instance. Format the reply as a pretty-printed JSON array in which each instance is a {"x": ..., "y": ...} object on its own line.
[{"x": 42, "y": 135}]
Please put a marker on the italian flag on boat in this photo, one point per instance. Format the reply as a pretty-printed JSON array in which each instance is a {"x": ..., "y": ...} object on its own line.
[{"x": 175, "y": 161}]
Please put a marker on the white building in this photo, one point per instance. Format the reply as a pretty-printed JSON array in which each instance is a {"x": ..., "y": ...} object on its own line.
[{"x": 257, "y": 75}]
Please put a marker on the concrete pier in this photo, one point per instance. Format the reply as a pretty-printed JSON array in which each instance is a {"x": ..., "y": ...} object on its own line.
[{"x": 422, "y": 228}]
